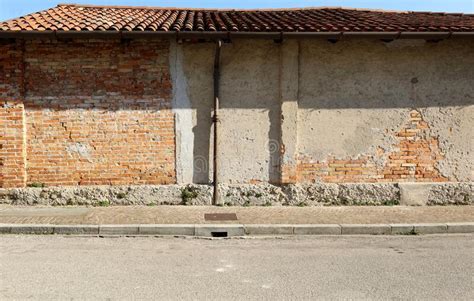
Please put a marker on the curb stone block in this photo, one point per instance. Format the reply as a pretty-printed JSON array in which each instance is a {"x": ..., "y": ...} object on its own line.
[
  {"x": 180, "y": 229},
  {"x": 76, "y": 229},
  {"x": 5, "y": 229},
  {"x": 118, "y": 229},
  {"x": 460, "y": 227},
  {"x": 317, "y": 230},
  {"x": 402, "y": 228},
  {"x": 414, "y": 194},
  {"x": 374, "y": 229},
  {"x": 238, "y": 230},
  {"x": 269, "y": 229},
  {"x": 31, "y": 229},
  {"x": 431, "y": 228},
  {"x": 207, "y": 230}
]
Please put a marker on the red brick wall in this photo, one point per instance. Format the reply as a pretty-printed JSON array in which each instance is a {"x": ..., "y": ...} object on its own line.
[
  {"x": 412, "y": 159},
  {"x": 97, "y": 113},
  {"x": 12, "y": 144}
]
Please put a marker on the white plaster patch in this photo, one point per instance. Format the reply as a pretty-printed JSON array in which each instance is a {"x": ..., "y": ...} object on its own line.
[{"x": 80, "y": 149}]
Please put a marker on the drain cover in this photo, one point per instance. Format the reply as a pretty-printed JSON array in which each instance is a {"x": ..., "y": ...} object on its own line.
[{"x": 220, "y": 216}]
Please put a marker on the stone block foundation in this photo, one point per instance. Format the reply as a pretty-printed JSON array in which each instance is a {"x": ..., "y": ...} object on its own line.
[{"x": 238, "y": 195}]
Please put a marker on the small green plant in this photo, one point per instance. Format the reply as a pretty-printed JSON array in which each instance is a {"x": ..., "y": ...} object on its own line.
[
  {"x": 258, "y": 195},
  {"x": 302, "y": 204},
  {"x": 267, "y": 204},
  {"x": 466, "y": 200},
  {"x": 188, "y": 193},
  {"x": 151, "y": 204},
  {"x": 121, "y": 195},
  {"x": 103, "y": 203},
  {"x": 228, "y": 204},
  {"x": 246, "y": 203},
  {"x": 391, "y": 203},
  {"x": 36, "y": 185},
  {"x": 411, "y": 232}
]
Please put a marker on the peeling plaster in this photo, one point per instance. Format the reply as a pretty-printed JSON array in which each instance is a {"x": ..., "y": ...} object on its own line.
[
  {"x": 453, "y": 128},
  {"x": 354, "y": 100}
]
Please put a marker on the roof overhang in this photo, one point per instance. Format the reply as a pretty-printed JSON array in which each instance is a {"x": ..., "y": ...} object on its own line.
[{"x": 227, "y": 35}]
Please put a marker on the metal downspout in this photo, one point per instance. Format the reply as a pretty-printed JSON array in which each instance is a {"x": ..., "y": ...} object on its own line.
[{"x": 215, "y": 120}]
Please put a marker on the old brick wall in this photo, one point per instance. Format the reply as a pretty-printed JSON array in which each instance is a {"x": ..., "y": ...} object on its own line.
[
  {"x": 100, "y": 112},
  {"x": 12, "y": 142},
  {"x": 96, "y": 112}
]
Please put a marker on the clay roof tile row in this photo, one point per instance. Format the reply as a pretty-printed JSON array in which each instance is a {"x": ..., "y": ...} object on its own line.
[{"x": 70, "y": 17}]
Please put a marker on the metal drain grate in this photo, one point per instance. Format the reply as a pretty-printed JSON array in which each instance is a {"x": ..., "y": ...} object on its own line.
[
  {"x": 219, "y": 234},
  {"x": 220, "y": 216}
]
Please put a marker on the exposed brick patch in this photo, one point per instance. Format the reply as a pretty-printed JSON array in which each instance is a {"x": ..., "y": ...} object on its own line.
[
  {"x": 416, "y": 155},
  {"x": 288, "y": 174},
  {"x": 412, "y": 159},
  {"x": 288, "y": 168}
]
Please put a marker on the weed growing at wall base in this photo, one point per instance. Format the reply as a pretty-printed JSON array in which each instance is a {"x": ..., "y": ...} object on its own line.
[
  {"x": 188, "y": 193},
  {"x": 103, "y": 203}
]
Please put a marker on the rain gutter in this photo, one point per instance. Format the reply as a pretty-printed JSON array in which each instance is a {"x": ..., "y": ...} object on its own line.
[
  {"x": 215, "y": 119},
  {"x": 56, "y": 34}
]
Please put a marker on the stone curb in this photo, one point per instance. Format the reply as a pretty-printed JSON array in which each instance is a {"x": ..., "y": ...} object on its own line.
[
  {"x": 372, "y": 229},
  {"x": 228, "y": 230}
]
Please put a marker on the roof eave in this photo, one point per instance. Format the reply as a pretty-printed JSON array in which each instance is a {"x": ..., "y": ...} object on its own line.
[{"x": 53, "y": 34}]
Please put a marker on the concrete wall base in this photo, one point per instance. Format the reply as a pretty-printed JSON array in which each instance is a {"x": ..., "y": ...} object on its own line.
[{"x": 318, "y": 194}]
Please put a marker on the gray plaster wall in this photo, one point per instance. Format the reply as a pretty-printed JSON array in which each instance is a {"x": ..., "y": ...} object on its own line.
[
  {"x": 250, "y": 112},
  {"x": 352, "y": 97},
  {"x": 248, "y": 115},
  {"x": 355, "y": 95},
  {"x": 191, "y": 70}
]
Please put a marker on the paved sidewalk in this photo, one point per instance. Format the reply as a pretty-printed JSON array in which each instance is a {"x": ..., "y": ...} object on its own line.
[{"x": 245, "y": 215}]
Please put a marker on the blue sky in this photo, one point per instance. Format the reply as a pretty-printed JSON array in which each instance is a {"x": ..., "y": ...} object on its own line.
[{"x": 14, "y": 8}]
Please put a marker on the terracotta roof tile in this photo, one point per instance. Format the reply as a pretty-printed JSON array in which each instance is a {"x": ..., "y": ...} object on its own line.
[{"x": 71, "y": 17}]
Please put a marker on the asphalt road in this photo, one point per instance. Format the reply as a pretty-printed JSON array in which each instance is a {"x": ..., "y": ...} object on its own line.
[{"x": 362, "y": 267}]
